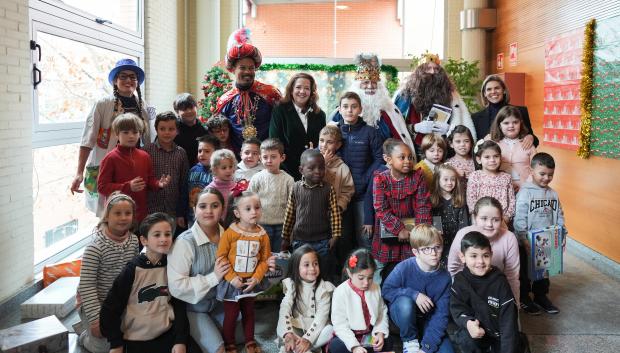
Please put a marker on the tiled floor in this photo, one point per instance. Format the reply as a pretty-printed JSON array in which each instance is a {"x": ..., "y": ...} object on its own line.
[{"x": 589, "y": 319}]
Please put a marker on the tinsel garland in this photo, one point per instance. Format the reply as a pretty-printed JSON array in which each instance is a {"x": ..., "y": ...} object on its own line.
[
  {"x": 587, "y": 78},
  {"x": 390, "y": 71}
]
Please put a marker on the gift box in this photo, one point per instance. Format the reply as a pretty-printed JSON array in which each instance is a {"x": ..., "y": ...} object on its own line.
[
  {"x": 43, "y": 335},
  {"x": 57, "y": 299},
  {"x": 546, "y": 253}
]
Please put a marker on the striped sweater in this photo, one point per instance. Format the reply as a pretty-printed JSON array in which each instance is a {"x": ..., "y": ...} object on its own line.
[{"x": 102, "y": 261}]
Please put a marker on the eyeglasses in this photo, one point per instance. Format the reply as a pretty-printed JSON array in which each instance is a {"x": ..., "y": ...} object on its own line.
[
  {"x": 427, "y": 250},
  {"x": 128, "y": 77}
]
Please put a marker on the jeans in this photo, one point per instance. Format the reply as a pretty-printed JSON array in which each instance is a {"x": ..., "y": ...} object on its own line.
[
  {"x": 403, "y": 314},
  {"x": 320, "y": 246},
  {"x": 275, "y": 236}
]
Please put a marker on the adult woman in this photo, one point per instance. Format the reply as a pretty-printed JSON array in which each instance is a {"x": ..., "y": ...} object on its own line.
[
  {"x": 97, "y": 138},
  {"x": 297, "y": 120},
  {"x": 495, "y": 95}
]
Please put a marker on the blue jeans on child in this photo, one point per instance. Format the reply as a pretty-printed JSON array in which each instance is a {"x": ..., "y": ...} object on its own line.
[
  {"x": 403, "y": 314},
  {"x": 320, "y": 246},
  {"x": 275, "y": 236}
]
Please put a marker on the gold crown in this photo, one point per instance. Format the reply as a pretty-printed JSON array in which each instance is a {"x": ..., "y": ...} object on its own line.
[
  {"x": 430, "y": 58},
  {"x": 368, "y": 67}
]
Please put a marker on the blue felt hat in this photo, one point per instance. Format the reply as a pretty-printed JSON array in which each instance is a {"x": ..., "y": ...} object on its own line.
[{"x": 126, "y": 64}]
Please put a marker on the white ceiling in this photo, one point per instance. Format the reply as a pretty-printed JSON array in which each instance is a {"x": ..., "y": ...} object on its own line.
[{"x": 263, "y": 2}]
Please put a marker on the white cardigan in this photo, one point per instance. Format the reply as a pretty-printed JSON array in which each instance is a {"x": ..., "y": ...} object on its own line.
[
  {"x": 312, "y": 311},
  {"x": 347, "y": 314}
]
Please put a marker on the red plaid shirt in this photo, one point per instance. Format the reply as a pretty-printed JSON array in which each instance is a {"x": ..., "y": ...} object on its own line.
[{"x": 395, "y": 199}]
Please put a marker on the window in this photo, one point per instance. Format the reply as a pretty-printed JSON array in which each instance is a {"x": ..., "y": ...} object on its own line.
[{"x": 74, "y": 53}]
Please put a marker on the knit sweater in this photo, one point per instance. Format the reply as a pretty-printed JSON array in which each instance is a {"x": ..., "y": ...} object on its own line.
[
  {"x": 516, "y": 160},
  {"x": 122, "y": 165},
  {"x": 347, "y": 313},
  {"x": 173, "y": 198},
  {"x": 505, "y": 255},
  {"x": 273, "y": 191},
  {"x": 139, "y": 307},
  {"x": 102, "y": 261},
  {"x": 487, "y": 299},
  {"x": 307, "y": 210},
  {"x": 310, "y": 313},
  {"x": 408, "y": 279},
  {"x": 247, "y": 252},
  {"x": 338, "y": 174},
  {"x": 498, "y": 186}
]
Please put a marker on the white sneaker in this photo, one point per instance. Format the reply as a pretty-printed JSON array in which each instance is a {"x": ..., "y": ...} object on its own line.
[{"x": 411, "y": 346}]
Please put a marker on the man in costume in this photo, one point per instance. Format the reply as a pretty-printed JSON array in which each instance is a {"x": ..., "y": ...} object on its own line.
[
  {"x": 429, "y": 84},
  {"x": 249, "y": 103},
  {"x": 378, "y": 111}
]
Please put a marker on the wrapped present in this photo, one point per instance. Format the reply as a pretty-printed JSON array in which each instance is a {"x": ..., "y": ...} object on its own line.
[
  {"x": 43, "y": 335},
  {"x": 61, "y": 269},
  {"x": 546, "y": 253}
]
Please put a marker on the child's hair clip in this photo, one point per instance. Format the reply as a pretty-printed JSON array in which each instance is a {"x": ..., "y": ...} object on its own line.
[
  {"x": 478, "y": 144},
  {"x": 352, "y": 261}
]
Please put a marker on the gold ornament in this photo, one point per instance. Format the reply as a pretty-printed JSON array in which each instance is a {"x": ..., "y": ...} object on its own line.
[
  {"x": 249, "y": 131},
  {"x": 586, "y": 89}
]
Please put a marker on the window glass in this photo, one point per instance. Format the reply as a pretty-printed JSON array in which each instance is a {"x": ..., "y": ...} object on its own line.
[{"x": 124, "y": 13}]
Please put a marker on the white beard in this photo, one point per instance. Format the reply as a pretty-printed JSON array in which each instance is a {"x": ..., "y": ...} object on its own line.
[{"x": 373, "y": 104}]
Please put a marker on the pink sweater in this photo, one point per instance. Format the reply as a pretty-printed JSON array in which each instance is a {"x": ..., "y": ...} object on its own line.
[
  {"x": 498, "y": 186},
  {"x": 516, "y": 160},
  {"x": 505, "y": 255}
]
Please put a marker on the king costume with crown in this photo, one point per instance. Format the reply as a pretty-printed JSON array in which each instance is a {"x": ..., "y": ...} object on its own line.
[{"x": 248, "y": 105}]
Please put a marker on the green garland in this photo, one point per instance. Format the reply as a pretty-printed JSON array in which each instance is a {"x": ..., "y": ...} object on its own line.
[
  {"x": 390, "y": 71},
  {"x": 587, "y": 81}
]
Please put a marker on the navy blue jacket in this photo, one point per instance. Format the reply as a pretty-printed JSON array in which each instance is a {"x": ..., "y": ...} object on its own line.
[{"x": 361, "y": 152}]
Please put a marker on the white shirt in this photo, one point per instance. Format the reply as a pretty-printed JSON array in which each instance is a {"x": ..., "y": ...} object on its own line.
[{"x": 303, "y": 116}]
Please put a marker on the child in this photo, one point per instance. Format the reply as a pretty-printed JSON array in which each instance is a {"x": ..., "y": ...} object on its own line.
[
  {"x": 359, "y": 315},
  {"x": 310, "y": 204},
  {"x": 508, "y": 131},
  {"x": 338, "y": 175},
  {"x": 128, "y": 169},
  {"x": 401, "y": 198},
  {"x": 461, "y": 141},
  {"x": 419, "y": 288},
  {"x": 190, "y": 129},
  {"x": 538, "y": 207},
  {"x": 246, "y": 246},
  {"x": 272, "y": 185},
  {"x": 490, "y": 181},
  {"x": 361, "y": 152},
  {"x": 434, "y": 151},
  {"x": 138, "y": 314},
  {"x": 113, "y": 245},
  {"x": 481, "y": 303},
  {"x": 223, "y": 164},
  {"x": 449, "y": 204},
  {"x": 303, "y": 323},
  {"x": 250, "y": 160},
  {"x": 200, "y": 175},
  {"x": 219, "y": 126},
  {"x": 168, "y": 159},
  {"x": 488, "y": 221}
]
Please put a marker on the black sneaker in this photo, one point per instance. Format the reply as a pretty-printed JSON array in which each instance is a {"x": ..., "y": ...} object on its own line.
[
  {"x": 546, "y": 305},
  {"x": 529, "y": 306}
]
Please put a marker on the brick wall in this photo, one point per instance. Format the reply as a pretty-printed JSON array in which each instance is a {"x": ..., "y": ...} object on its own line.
[
  {"x": 307, "y": 29},
  {"x": 16, "y": 240},
  {"x": 164, "y": 48}
]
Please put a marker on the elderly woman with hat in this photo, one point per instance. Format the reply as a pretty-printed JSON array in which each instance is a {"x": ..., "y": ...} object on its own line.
[
  {"x": 98, "y": 138},
  {"x": 249, "y": 103}
]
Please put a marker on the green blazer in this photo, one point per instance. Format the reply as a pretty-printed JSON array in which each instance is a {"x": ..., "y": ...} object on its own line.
[{"x": 287, "y": 127}]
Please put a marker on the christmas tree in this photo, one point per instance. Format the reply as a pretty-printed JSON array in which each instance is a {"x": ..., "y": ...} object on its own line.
[{"x": 215, "y": 83}]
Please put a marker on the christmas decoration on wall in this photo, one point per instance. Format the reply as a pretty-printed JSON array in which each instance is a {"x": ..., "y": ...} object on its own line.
[
  {"x": 586, "y": 90},
  {"x": 216, "y": 81}
]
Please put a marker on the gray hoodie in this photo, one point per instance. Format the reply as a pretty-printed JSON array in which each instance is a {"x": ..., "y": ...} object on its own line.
[{"x": 537, "y": 208}]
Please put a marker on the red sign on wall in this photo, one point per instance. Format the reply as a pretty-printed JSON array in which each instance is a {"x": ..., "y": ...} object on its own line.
[
  {"x": 513, "y": 54},
  {"x": 500, "y": 61}
]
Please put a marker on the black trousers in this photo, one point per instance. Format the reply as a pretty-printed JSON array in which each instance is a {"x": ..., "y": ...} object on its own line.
[
  {"x": 161, "y": 344},
  {"x": 538, "y": 288}
]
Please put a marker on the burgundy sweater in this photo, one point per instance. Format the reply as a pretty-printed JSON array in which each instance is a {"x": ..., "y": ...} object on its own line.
[{"x": 119, "y": 167}]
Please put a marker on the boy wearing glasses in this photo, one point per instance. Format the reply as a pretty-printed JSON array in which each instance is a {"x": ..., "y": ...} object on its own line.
[{"x": 418, "y": 294}]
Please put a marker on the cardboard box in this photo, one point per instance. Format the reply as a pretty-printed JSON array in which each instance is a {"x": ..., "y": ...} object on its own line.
[
  {"x": 546, "y": 258},
  {"x": 56, "y": 299}
]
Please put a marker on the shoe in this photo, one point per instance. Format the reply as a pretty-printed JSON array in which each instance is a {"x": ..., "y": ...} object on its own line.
[
  {"x": 252, "y": 347},
  {"x": 411, "y": 346},
  {"x": 546, "y": 304},
  {"x": 528, "y": 306}
]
